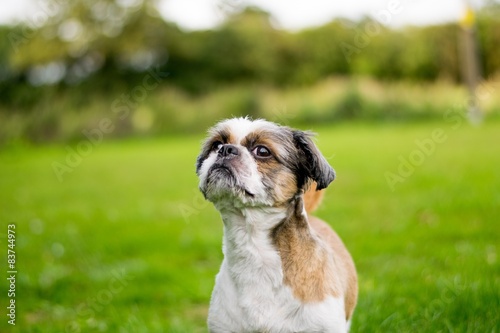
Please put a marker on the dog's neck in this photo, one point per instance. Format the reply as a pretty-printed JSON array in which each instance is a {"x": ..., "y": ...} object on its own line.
[
  {"x": 249, "y": 237},
  {"x": 248, "y": 247},
  {"x": 247, "y": 232},
  {"x": 278, "y": 245}
]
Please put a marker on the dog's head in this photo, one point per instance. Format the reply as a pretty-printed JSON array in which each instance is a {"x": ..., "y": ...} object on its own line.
[{"x": 259, "y": 163}]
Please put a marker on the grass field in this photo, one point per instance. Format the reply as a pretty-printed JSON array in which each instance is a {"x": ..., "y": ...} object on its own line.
[{"x": 125, "y": 243}]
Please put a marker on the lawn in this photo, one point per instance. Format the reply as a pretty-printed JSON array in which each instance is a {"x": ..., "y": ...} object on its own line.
[{"x": 125, "y": 243}]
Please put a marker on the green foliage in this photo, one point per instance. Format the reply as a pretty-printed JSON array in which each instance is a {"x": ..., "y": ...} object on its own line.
[
  {"x": 168, "y": 110},
  {"x": 109, "y": 41},
  {"x": 73, "y": 70},
  {"x": 489, "y": 38},
  {"x": 427, "y": 253}
]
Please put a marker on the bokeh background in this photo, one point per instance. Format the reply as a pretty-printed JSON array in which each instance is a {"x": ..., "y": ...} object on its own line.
[{"x": 103, "y": 105}]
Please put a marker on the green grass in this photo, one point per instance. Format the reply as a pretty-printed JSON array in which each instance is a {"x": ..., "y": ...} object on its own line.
[{"x": 426, "y": 252}]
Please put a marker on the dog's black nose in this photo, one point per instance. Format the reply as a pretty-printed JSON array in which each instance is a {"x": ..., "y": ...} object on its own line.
[{"x": 228, "y": 150}]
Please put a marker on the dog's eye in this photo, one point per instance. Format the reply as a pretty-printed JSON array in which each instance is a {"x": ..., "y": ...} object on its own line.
[
  {"x": 217, "y": 145},
  {"x": 261, "y": 151}
]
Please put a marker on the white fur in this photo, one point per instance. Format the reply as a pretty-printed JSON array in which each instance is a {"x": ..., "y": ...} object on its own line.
[
  {"x": 249, "y": 293},
  {"x": 241, "y": 127}
]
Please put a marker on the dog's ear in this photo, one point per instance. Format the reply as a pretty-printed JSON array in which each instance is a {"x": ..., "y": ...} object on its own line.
[{"x": 312, "y": 164}]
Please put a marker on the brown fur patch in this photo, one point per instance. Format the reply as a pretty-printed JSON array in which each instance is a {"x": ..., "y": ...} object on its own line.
[
  {"x": 223, "y": 135},
  {"x": 280, "y": 179},
  {"x": 315, "y": 262},
  {"x": 286, "y": 187},
  {"x": 312, "y": 198},
  {"x": 261, "y": 137},
  {"x": 345, "y": 269},
  {"x": 307, "y": 263}
]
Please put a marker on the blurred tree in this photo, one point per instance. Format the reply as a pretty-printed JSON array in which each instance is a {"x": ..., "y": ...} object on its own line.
[
  {"x": 320, "y": 53},
  {"x": 109, "y": 44},
  {"x": 488, "y": 30},
  {"x": 430, "y": 53},
  {"x": 245, "y": 48},
  {"x": 85, "y": 37},
  {"x": 380, "y": 50}
]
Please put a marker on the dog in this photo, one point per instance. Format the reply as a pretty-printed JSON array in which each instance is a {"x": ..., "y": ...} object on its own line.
[{"x": 283, "y": 269}]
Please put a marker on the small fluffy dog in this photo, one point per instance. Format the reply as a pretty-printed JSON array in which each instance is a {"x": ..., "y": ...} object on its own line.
[{"x": 283, "y": 270}]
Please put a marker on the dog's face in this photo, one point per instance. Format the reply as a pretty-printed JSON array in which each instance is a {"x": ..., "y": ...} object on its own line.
[{"x": 258, "y": 163}]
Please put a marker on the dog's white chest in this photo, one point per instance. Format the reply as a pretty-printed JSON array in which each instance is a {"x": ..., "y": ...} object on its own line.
[
  {"x": 250, "y": 296},
  {"x": 260, "y": 307}
]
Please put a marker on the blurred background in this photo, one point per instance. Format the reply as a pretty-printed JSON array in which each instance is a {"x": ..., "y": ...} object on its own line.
[
  {"x": 67, "y": 63},
  {"x": 103, "y": 104}
]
